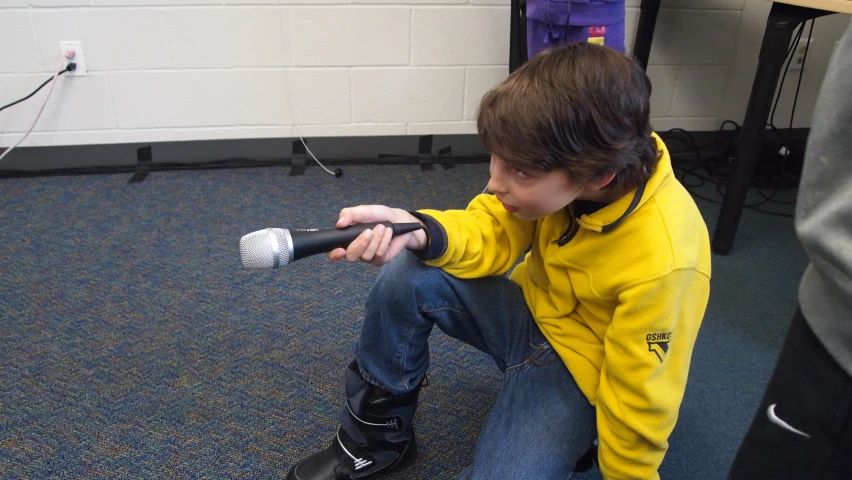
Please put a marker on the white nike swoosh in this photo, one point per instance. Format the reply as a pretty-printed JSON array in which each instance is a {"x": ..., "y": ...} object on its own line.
[{"x": 770, "y": 413}]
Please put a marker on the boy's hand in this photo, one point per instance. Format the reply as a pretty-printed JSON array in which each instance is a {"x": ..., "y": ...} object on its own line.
[{"x": 377, "y": 246}]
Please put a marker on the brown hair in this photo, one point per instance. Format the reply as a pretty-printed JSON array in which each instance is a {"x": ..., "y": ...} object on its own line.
[{"x": 582, "y": 108}]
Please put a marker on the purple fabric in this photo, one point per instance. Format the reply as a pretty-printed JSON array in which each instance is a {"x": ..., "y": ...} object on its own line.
[{"x": 549, "y": 23}]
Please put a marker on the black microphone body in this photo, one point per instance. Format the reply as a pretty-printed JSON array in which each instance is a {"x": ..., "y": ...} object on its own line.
[
  {"x": 307, "y": 242},
  {"x": 273, "y": 247}
]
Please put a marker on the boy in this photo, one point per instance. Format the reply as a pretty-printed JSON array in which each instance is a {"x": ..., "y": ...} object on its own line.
[{"x": 594, "y": 330}]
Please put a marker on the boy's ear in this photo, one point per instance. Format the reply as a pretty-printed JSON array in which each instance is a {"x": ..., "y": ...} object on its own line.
[{"x": 601, "y": 182}]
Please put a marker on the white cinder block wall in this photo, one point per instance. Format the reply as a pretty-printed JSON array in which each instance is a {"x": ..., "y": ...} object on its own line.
[{"x": 163, "y": 70}]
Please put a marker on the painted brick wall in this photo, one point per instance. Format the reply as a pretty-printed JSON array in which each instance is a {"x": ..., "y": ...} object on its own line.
[{"x": 162, "y": 70}]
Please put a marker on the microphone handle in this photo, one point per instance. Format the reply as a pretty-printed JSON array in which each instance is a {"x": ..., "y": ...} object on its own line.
[{"x": 312, "y": 242}]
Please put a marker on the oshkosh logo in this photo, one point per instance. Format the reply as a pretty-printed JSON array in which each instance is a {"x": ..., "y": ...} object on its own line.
[{"x": 658, "y": 343}]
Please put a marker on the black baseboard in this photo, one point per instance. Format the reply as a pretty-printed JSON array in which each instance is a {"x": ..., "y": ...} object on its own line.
[
  {"x": 241, "y": 153},
  {"x": 426, "y": 150}
]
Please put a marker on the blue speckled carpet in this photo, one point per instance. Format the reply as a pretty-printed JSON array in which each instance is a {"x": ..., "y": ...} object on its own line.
[{"x": 134, "y": 345}]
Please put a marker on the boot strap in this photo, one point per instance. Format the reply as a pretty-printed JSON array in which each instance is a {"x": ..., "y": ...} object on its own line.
[
  {"x": 356, "y": 458},
  {"x": 392, "y": 423}
]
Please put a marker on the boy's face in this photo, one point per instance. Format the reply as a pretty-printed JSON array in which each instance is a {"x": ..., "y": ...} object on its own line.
[{"x": 531, "y": 195}]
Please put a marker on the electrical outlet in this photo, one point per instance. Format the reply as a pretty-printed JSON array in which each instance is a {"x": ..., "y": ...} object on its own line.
[
  {"x": 797, "y": 64},
  {"x": 78, "y": 58}
]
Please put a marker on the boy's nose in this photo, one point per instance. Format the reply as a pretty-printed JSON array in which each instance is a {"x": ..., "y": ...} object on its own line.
[
  {"x": 495, "y": 185},
  {"x": 497, "y": 170}
]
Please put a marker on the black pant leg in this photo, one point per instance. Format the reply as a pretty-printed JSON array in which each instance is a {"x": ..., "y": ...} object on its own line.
[{"x": 808, "y": 392}]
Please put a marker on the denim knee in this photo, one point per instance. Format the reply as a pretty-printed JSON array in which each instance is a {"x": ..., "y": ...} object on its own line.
[
  {"x": 392, "y": 350},
  {"x": 402, "y": 274}
]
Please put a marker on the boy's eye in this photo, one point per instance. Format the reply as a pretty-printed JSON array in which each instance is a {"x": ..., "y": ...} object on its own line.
[{"x": 522, "y": 174}]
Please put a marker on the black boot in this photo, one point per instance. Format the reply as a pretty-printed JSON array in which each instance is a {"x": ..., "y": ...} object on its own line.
[{"x": 375, "y": 436}]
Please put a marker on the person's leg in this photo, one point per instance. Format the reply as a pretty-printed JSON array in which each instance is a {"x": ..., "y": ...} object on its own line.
[
  {"x": 407, "y": 300},
  {"x": 541, "y": 424},
  {"x": 392, "y": 357},
  {"x": 803, "y": 427}
]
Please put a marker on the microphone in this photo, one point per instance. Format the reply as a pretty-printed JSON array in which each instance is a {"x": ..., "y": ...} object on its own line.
[{"x": 274, "y": 247}]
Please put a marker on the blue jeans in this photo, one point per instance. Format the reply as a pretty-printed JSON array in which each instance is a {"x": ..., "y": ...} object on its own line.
[{"x": 541, "y": 423}]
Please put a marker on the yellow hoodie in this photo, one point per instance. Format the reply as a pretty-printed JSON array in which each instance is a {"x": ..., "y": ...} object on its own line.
[{"x": 621, "y": 302}]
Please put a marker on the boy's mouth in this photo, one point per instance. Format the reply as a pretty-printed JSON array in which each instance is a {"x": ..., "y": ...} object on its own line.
[{"x": 509, "y": 208}]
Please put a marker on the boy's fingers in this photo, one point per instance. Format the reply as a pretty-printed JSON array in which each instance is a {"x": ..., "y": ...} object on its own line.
[
  {"x": 385, "y": 243},
  {"x": 357, "y": 247},
  {"x": 363, "y": 214},
  {"x": 336, "y": 254},
  {"x": 344, "y": 219},
  {"x": 371, "y": 249}
]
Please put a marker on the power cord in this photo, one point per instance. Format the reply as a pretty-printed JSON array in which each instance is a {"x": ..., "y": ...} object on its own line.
[
  {"x": 338, "y": 172},
  {"x": 52, "y": 80},
  {"x": 784, "y": 145},
  {"x": 71, "y": 67},
  {"x": 786, "y": 149}
]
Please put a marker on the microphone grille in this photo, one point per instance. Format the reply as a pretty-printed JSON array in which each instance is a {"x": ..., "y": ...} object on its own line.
[{"x": 268, "y": 248}]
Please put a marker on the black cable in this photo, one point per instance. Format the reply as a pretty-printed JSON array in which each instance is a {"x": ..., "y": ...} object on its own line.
[
  {"x": 751, "y": 206},
  {"x": 788, "y": 59},
  {"x": 796, "y": 96},
  {"x": 777, "y": 214},
  {"x": 717, "y": 168},
  {"x": 690, "y": 142},
  {"x": 771, "y": 197},
  {"x": 785, "y": 139},
  {"x": 696, "y": 170},
  {"x": 69, "y": 68},
  {"x": 735, "y": 124},
  {"x": 799, "y": 81}
]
